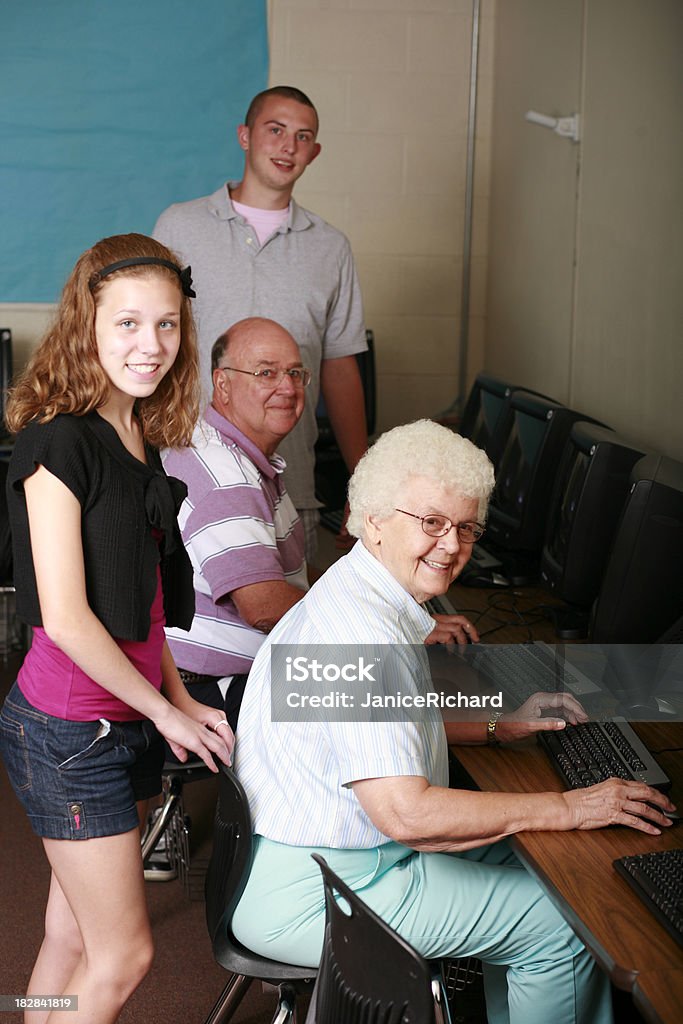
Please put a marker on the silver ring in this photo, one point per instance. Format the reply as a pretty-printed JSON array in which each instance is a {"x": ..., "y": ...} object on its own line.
[{"x": 217, "y": 726}]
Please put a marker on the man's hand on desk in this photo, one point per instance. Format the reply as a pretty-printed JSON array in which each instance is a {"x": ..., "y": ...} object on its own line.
[
  {"x": 618, "y": 802},
  {"x": 529, "y": 718}
]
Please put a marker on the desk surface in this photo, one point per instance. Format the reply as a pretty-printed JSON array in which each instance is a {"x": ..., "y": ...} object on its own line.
[
  {"x": 660, "y": 989},
  {"x": 508, "y": 615},
  {"x": 575, "y": 869}
]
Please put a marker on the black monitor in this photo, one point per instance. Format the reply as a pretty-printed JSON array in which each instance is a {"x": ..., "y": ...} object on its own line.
[
  {"x": 485, "y": 413},
  {"x": 526, "y": 471},
  {"x": 645, "y": 680},
  {"x": 674, "y": 634},
  {"x": 331, "y": 475},
  {"x": 5, "y": 371},
  {"x": 641, "y": 596},
  {"x": 593, "y": 481},
  {"x": 366, "y": 367},
  {"x": 487, "y": 417},
  {"x": 368, "y": 376}
]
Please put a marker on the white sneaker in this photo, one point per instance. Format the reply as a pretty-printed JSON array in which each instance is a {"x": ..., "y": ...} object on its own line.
[{"x": 158, "y": 867}]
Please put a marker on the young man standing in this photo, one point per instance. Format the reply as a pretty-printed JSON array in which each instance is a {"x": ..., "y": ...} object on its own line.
[{"x": 255, "y": 252}]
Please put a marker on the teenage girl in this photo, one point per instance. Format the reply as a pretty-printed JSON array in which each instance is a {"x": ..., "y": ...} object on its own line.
[{"x": 99, "y": 569}]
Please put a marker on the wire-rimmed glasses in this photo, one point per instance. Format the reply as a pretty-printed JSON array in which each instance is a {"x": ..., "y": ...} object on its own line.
[{"x": 435, "y": 525}]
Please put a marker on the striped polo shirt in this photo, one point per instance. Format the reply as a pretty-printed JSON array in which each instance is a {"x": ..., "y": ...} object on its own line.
[{"x": 239, "y": 527}]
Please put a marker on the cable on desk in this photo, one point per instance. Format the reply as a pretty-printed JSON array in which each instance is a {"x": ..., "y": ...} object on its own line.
[
  {"x": 510, "y": 607},
  {"x": 507, "y": 603}
]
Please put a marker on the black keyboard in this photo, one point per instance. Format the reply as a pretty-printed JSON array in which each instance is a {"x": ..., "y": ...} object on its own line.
[
  {"x": 520, "y": 670},
  {"x": 657, "y": 878},
  {"x": 594, "y": 751}
]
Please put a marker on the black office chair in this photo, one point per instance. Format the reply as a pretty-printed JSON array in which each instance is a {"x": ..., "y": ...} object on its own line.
[
  {"x": 368, "y": 974},
  {"x": 14, "y": 636},
  {"x": 226, "y": 879}
]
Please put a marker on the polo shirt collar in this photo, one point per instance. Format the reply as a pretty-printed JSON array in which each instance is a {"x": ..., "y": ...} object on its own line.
[
  {"x": 371, "y": 569},
  {"x": 232, "y": 435},
  {"x": 221, "y": 204}
]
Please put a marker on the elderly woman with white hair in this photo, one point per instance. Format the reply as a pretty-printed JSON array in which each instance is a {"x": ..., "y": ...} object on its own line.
[{"x": 373, "y": 797}]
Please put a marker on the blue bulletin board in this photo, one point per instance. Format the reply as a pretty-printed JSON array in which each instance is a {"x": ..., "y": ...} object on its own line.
[{"x": 109, "y": 112}]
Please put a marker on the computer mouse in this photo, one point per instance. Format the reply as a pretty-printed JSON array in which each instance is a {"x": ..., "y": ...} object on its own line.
[{"x": 673, "y": 816}]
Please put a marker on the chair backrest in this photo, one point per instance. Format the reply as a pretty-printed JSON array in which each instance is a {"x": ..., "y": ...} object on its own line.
[
  {"x": 368, "y": 974},
  {"x": 230, "y": 863},
  {"x": 5, "y": 534}
]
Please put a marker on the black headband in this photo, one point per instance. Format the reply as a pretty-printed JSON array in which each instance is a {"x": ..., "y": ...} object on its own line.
[{"x": 137, "y": 261}]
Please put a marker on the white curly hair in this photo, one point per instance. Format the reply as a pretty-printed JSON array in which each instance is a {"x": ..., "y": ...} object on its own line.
[{"x": 423, "y": 448}]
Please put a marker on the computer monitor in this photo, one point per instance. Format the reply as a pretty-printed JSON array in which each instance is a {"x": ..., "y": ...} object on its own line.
[
  {"x": 526, "y": 471},
  {"x": 485, "y": 413},
  {"x": 674, "y": 634},
  {"x": 366, "y": 367},
  {"x": 641, "y": 596},
  {"x": 645, "y": 680},
  {"x": 487, "y": 417},
  {"x": 331, "y": 475},
  {"x": 5, "y": 372},
  {"x": 593, "y": 481},
  {"x": 368, "y": 376}
]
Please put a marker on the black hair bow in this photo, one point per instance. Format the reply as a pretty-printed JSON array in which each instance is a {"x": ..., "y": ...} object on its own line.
[{"x": 186, "y": 282}]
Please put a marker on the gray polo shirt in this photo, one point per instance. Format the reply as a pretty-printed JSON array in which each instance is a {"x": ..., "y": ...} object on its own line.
[{"x": 303, "y": 277}]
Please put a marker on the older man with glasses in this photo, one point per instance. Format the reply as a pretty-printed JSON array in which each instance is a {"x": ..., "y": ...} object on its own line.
[{"x": 238, "y": 523}]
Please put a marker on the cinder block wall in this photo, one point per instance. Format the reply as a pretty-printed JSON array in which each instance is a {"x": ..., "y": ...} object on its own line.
[{"x": 390, "y": 79}]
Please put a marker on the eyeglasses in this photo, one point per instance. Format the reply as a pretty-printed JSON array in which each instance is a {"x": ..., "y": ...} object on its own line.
[
  {"x": 439, "y": 526},
  {"x": 270, "y": 377}
]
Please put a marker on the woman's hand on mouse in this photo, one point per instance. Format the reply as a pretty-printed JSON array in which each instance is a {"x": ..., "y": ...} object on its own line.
[{"x": 618, "y": 802}]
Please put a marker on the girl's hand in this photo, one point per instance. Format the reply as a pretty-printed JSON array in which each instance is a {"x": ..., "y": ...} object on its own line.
[
  {"x": 212, "y": 718},
  {"x": 205, "y": 735}
]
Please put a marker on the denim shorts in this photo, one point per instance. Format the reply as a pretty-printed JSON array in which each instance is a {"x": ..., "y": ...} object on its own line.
[{"x": 78, "y": 780}]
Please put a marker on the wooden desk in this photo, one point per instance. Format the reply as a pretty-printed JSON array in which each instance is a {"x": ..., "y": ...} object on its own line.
[
  {"x": 509, "y": 615},
  {"x": 660, "y": 989},
  {"x": 575, "y": 870}
]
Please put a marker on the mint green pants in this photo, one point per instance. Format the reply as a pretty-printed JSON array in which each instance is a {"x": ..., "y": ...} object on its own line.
[{"x": 482, "y": 903}]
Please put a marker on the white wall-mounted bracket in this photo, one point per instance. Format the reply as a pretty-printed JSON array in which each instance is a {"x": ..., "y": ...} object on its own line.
[{"x": 567, "y": 127}]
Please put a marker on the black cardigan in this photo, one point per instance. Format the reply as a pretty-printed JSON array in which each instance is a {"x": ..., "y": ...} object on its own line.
[{"x": 122, "y": 501}]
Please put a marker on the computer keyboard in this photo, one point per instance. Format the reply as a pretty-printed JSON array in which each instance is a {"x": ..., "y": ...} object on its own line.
[
  {"x": 520, "y": 670},
  {"x": 594, "y": 751},
  {"x": 657, "y": 878},
  {"x": 482, "y": 558},
  {"x": 439, "y": 605}
]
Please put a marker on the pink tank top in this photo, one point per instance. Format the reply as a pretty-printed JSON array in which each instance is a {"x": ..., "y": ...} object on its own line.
[{"x": 54, "y": 684}]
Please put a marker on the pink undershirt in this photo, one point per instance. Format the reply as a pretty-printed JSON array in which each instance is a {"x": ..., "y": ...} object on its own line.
[
  {"x": 264, "y": 222},
  {"x": 53, "y": 683}
]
